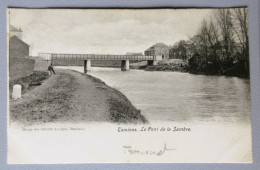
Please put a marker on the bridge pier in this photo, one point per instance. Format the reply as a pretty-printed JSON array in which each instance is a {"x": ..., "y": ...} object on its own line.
[
  {"x": 87, "y": 66},
  {"x": 124, "y": 65},
  {"x": 150, "y": 62}
]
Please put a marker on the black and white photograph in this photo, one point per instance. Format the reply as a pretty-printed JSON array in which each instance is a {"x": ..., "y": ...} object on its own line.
[{"x": 164, "y": 85}]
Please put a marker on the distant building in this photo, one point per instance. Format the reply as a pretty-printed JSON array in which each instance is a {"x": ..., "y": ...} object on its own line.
[
  {"x": 158, "y": 49},
  {"x": 15, "y": 32}
]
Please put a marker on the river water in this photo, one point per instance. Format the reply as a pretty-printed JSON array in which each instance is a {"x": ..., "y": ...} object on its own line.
[{"x": 175, "y": 96}]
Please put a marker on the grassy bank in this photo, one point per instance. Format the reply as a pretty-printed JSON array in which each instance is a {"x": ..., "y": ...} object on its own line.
[
  {"x": 70, "y": 96},
  {"x": 46, "y": 104},
  {"x": 121, "y": 109}
]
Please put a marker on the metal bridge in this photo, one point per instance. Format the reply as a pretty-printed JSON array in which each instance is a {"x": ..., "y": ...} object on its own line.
[
  {"x": 59, "y": 56},
  {"x": 88, "y": 57}
]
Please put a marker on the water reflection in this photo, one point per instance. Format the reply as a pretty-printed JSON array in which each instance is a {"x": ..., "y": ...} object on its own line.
[{"x": 173, "y": 96}]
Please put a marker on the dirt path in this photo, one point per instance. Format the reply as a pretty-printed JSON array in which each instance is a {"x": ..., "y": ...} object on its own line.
[{"x": 70, "y": 96}]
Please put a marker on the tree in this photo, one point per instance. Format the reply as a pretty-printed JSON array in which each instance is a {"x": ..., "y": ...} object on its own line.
[
  {"x": 213, "y": 38},
  {"x": 240, "y": 20},
  {"x": 224, "y": 19},
  {"x": 206, "y": 41}
]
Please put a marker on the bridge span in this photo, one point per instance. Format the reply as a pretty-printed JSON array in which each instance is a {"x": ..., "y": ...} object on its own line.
[{"x": 86, "y": 58}]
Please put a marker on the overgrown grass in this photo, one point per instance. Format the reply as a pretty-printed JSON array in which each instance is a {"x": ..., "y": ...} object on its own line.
[
  {"x": 37, "y": 77},
  {"x": 121, "y": 109},
  {"x": 50, "y": 107}
]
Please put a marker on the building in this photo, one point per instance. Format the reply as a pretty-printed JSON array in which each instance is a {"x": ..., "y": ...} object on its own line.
[
  {"x": 158, "y": 49},
  {"x": 19, "y": 63},
  {"x": 17, "y": 48}
]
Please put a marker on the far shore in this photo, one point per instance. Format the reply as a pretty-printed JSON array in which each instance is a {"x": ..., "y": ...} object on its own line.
[{"x": 179, "y": 65}]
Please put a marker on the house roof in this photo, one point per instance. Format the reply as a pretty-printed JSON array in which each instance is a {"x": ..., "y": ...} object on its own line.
[
  {"x": 14, "y": 29},
  {"x": 18, "y": 39}
]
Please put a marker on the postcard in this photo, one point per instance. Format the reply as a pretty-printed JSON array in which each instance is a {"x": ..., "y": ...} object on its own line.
[{"x": 129, "y": 86}]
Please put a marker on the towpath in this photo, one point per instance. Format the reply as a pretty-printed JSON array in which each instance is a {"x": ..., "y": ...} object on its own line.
[{"x": 70, "y": 96}]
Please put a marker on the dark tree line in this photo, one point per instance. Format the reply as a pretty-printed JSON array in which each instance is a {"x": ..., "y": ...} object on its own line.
[{"x": 221, "y": 45}]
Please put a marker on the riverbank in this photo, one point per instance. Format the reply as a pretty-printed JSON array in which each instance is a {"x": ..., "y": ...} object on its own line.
[
  {"x": 70, "y": 96},
  {"x": 164, "y": 65},
  {"x": 221, "y": 68},
  {"x": 179, "y": 65}
]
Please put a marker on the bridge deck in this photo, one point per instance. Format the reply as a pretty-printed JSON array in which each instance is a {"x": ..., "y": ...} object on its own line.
[{"x": 94, "y": 57}]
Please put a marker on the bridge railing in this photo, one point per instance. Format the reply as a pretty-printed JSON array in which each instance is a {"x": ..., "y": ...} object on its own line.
[{"x": 94, "y": 56}]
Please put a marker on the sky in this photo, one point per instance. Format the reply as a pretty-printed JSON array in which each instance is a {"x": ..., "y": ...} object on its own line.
[{"x": 116, "y": 31}]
